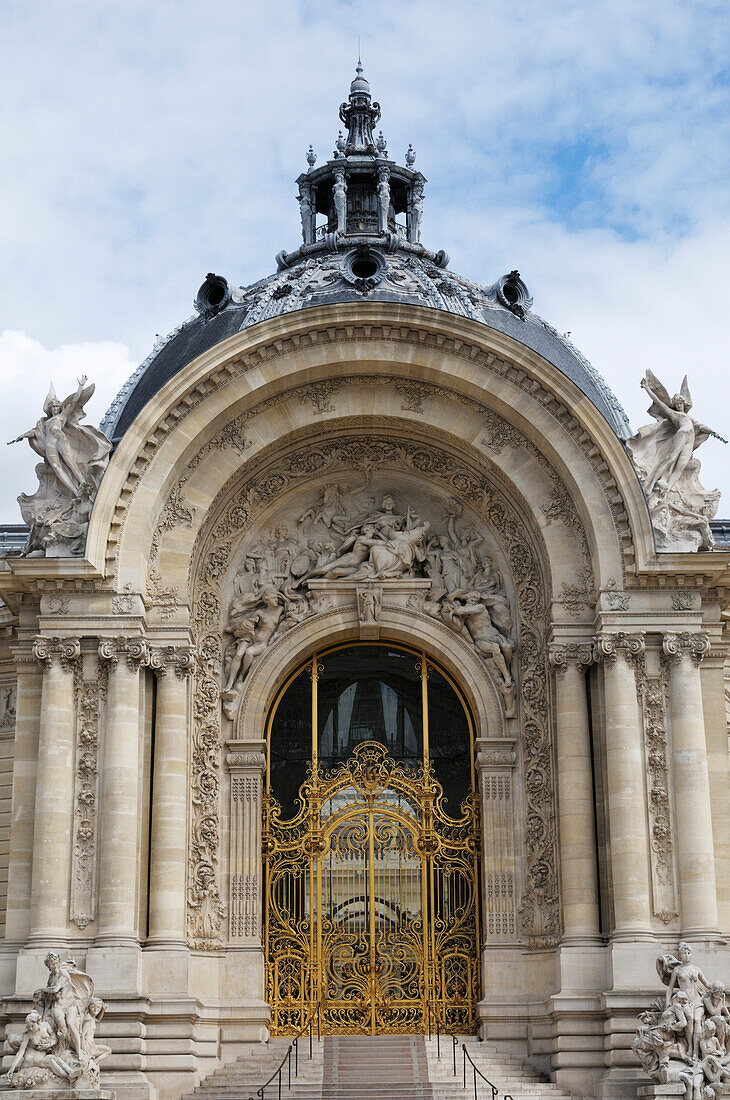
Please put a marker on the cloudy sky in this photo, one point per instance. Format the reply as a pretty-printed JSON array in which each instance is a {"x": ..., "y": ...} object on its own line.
[{"x": 146, "y": 142}]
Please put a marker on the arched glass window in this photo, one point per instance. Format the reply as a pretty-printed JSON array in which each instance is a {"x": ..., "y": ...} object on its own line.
[{"x": 370, "y": 692}]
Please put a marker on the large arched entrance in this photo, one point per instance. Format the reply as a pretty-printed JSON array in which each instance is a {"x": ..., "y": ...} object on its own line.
[{"x": 371, "y": 830}]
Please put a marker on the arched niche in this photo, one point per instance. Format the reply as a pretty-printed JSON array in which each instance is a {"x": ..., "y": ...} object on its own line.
[{"x": 261, "y": 496}]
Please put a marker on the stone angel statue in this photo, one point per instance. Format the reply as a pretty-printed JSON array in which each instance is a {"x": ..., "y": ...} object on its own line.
[
  {"x": 664, "y": 449},
  {"x": 75, "y": 456},
  {"x": 663, "y": 454}
]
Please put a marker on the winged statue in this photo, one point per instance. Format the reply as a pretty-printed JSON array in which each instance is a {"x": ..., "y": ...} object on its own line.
[
  {"x": 74, "y": 456},
  {"x": 663, "y": 454}
]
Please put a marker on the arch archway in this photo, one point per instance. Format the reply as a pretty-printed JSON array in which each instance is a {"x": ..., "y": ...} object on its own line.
[{"x": 371, "y": 841}]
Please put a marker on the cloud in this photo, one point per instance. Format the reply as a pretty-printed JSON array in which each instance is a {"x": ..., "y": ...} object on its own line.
[{"x": 588, "y": 145}]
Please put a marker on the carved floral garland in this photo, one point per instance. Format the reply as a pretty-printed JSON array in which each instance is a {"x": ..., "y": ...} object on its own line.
[{"x": 539, "y": 906}]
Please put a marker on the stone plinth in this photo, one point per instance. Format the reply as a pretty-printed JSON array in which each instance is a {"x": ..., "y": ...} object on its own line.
[
  {"x": 54, "y": 1094},
  {"x": 664, "y": 1092}
]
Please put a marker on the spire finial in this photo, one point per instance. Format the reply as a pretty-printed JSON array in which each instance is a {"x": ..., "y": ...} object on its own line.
[{"x": 360, "y": 115}]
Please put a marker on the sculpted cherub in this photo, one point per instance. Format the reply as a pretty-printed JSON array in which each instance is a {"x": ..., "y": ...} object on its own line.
[
  {"x": 716, "y": 1009},
  {"x": 712, "y": 1054},
  {"x": 33, "y": 1047}
]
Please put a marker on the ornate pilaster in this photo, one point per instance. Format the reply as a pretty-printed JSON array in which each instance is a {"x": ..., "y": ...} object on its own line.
[
  {"x": 495, "y": 764},
  {"x": 247, "y": 766},
  {"x": 652, "y": 692},
  {"x": 621, "y": 654},
  {"x": 695, "y": 846},
  {"x": 90, "y": 686},
  {"x": 119, "y": 844},
  {"x": 576, "y": 804},
  {"x": 173, "y": 665},
  {"x": 58, "y": 657}
]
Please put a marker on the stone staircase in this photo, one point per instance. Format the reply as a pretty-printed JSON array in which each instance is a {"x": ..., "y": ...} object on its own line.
[
  {"x": 508, "y": 1073},
  {"x": 241, "y": 1080},
  {"x": 382, "y": 1067}
]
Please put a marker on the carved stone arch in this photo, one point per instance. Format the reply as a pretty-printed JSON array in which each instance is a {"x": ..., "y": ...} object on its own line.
[
  {"x": 179, "y": 531},
  {"x": 469, "y": 362},
  {"x": 397, "y": 624},
  {"x": 465, "y": 476}
]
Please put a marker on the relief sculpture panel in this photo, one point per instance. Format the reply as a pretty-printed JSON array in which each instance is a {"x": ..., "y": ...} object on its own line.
[{"x": 377, "y": 531}]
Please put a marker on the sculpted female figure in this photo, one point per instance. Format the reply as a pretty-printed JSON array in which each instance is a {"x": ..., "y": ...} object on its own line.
[
  {"x": 73, "y": 451},
  {"x": 691, "y": 981},
  {"x": 396, "y": 556},
  {"x": 662, "y": 451}
]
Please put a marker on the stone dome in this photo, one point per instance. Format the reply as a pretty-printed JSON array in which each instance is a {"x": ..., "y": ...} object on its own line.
[
  {"x": 368, "y": 248},
  {"x": 326, "y": 278}
]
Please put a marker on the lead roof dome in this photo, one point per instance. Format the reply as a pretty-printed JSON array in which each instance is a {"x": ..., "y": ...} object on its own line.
[{"x": 367, "y": 248}]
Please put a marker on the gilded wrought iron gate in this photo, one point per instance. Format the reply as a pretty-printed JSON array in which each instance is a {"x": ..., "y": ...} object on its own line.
[{"x": 372, "y": 900}]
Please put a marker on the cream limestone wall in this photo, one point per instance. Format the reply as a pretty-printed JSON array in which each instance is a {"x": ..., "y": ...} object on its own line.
[{"x": 144, "y": 833}]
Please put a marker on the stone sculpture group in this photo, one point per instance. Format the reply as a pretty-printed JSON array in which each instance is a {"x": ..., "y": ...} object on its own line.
[
  {"x": 57, "y": 1048},
  {"x": 663, "y": 454},
  {"x": 74, "y": 459},
  {"x": 332, "y": 542},
  {"x": 685, "y": 1036}
]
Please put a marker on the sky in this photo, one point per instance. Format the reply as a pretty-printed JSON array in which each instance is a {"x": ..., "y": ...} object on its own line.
[{"x": 146, "y": 142}]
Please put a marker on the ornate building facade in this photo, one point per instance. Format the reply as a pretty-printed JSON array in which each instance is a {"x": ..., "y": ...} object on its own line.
[{"x": 372, "y": 664}]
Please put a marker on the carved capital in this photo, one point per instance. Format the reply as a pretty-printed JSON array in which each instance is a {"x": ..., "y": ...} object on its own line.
[
  {"x": 254, "y": 761},
  {"x": 133, "y": 650},
  {"x": 496, "y": 758},
  {"x": 570, "y": 653},
  {"x": 607, "y": 647},
  {"x": 66, "y": 651},
  {"x": 695, "y": 646},
  {"x": 177, "y": 659}
]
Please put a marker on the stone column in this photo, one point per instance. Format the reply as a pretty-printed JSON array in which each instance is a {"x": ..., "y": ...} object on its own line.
[
  {"x": 22, "y": 815},
  {"x": 54, "y": 809},
  {"x": 576, "y": 809},
  {"x": 627, "y": 812},
  {"x": 246, "y": 765},
  {"x": 168, "y": 841},
  {"x": 119, "y": 840},
  {"x": 695, "y": 848}
]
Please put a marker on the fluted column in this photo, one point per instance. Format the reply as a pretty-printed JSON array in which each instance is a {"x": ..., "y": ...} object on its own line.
[
  {"x": 22, "y": 815},
  {"x": 169, "y": 798},
  {"x": 119, "y": 839},
  {"x": 627, "y": 815},
  {"x": 51, "y": 874},
  {"x": 576, "y": 809},
  {"x": 695, "y": 848}
]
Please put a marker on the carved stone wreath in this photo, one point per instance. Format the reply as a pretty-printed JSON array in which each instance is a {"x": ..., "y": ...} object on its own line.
[{"x": 232, "y": 513}]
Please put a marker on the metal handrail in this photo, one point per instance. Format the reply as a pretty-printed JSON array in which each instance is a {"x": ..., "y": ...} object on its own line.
[
  {"x": 475, "y": 1071},
  {"x": 293, "y": 1046},
  {"x": 454, "y": 1039}
]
